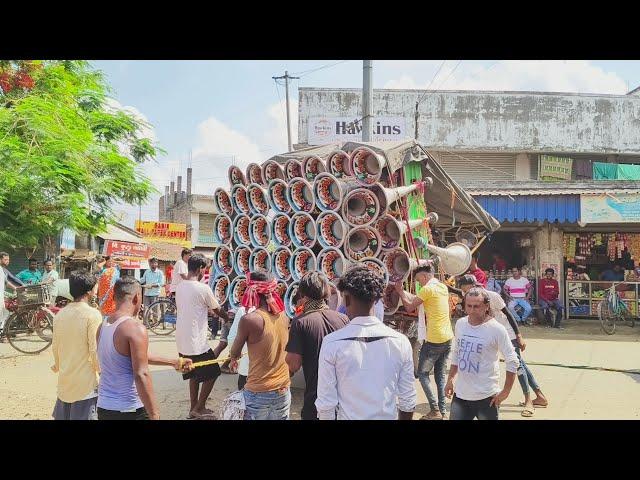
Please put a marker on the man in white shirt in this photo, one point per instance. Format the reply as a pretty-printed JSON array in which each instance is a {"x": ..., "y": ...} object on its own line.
[
  {"x": 193, "y": 301},
  {"x": 476, "y": 364},
  {"x": 180, "y": 269},
  {"x": 365, "y": 369}
]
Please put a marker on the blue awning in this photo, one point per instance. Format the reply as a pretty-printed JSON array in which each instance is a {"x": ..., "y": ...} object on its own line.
[{"x": 532, "y": 208}]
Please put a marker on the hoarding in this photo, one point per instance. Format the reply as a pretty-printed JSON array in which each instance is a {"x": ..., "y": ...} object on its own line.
[
  {"x": 322, "y": 130},
  {"x": 610, "y": 208},
  {"x": 133, "y": 254},
  {"x": 175, "y": 233}
]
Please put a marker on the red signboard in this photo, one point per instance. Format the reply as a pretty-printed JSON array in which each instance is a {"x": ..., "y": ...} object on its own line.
[{"x": 133, "y": 254}]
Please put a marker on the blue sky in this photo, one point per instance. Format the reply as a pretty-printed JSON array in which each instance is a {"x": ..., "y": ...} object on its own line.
[{"x": 224, "y": 110}]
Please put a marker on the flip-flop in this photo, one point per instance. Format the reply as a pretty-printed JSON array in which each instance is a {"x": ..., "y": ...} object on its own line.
[
  {"x": 536, "y": 405},
  {"x": 527, "y": 412}
]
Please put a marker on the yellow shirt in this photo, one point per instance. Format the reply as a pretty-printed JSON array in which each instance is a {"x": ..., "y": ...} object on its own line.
[
  {"x": 75, "y": 351},
  {"x": 435, "y": 297}
]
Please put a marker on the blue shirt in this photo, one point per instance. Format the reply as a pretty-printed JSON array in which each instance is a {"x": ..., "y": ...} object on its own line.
[
  {"x": 378, "y": 310},
  {"x": 30, "y": 278},
  {"x": 149, "y": 278},
  {"x": 610, "y": 275}
]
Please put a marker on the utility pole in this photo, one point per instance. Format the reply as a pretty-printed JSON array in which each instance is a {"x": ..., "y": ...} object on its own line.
[
  {"x": 286, "y": 89},
  {"x": 367, "y": 99}
]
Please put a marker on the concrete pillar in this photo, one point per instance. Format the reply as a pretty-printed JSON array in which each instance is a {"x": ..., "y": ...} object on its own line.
[
  {"x": 179, "y": 186},
  {"x": 523, "y": 167},
  {"x": 189, "y": 175}
]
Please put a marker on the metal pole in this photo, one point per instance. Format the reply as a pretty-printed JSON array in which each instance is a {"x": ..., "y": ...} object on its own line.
[{"x": 367, "y": 99}]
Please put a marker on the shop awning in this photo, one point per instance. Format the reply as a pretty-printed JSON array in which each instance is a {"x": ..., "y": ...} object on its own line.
[{"x": 532, "y": 208}]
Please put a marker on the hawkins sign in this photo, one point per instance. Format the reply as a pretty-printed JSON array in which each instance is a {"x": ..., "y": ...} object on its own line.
[{"x": 322, "y": 130}]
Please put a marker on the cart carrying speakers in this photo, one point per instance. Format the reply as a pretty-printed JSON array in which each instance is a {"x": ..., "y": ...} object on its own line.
[
  {"x": 222, "y": 229},
  {"x": 332, "y": 263},
  {"x": 241, "y": 230},
  {"x": 280, "y": 264},
  {"x": 257, "y": 196},
  {"x": 241, "y": 260},
  {"x": 272, "y": 170},
  {"x": 280, "y": 230},
  {"x": 454, "y": 259},
  {"x": 300, "y": 195},
  {"x": 239, "y": 199},
  {"x": 331, "y": 230},
  {"x": 277, "y": 196},
  {"x": 292, "y": 169},
  {"x": 236, "y": 291},
  {"x": 388, "y": 196},
  {"x": 302, "y": 230},
  {"x": 362, "y": 242},
  {"x": 260, "y": 260},
  {"x": 302, "y": 261},
  {"x": 360, "y": 207},
  {"x": 399, "y": 264},
  {"x": 223, "y": 261},
  {"x": 220, "y": 288},
  {"x": 289, "y": 308},
  {"x": 222, "y": 202},
  {"x": 259, "y": 231},
  {"x": 375, "y": 265},
  {"x": 367, "y": 165},
  {"x": 329, "y": 191},
  {"x": 339, "y": 164},
  {"x": 391, "y": 230},
  {"x": 236, "y": 177},
  {"x": 312, "y": 166},
  {"x": 254, "y": 174}
]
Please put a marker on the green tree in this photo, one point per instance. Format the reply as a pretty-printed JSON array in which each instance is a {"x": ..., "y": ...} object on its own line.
[{"x": 66, "y": 156}]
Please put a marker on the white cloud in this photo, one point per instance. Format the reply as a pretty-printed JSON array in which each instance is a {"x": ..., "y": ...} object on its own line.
[{"x": 275, "y": 136}]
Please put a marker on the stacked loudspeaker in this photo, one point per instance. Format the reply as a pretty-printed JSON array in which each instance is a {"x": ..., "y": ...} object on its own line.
[{"x": 314, "y": 214}]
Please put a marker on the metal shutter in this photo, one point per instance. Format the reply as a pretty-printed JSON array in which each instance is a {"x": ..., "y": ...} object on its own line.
[{"x": 478, "y": 166}]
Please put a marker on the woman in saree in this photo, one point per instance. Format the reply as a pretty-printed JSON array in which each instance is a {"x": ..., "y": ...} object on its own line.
[{"x": 108, "y": 276}]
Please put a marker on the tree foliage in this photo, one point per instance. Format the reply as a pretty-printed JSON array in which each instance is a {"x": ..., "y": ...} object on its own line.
[{"x": 66, "y": 156}]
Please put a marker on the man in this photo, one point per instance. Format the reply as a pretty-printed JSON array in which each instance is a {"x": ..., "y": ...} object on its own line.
[
  {"x": 481, "y": 277},
  {"x": 6, "y": 280},
  {"x": 436, "y": 346},
  {"x": 75, "y": 352},
  {"x": 265, "y": 330},
  {"x": 32, "y": 275},
  {"x": 548, "y": 293},
  {"x": 615, "y": 275},
  {"x": 125, "y": 391},
  {"x": 152, "y": 281},
  {"x": 518, "y": 288},
  {"x": 307, "y": 332},
  {"x": 242, "y": 367},
  {"x": 475, "y": 365},
  {"x": 194, "y": 300},
  {"x": 365, "y": 368},
  {"x": 499, "y": 263},
  {"x": 378, "y": 308},
  {"x": 501, "y": 313},
  {"x": 50, "y": 277},
  {"x": 180, "y": 270}
]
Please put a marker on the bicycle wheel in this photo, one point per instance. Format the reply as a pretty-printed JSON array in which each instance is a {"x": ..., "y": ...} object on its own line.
[
  {"x": 607, "y": 318},
  {"x": 30, "y": 331},
  {"x": 627, "y": 316},
  {"x": 161, "y": 316}
]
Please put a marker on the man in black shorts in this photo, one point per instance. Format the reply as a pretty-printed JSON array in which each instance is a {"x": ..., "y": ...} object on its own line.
[{"x": 194, "y": 300}]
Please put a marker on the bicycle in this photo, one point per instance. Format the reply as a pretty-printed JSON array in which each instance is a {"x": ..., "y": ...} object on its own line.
[
  {"x": 160, "y": 317},
  {"x": 29, "y": 328},
  {"x": 612, "y": 310}
]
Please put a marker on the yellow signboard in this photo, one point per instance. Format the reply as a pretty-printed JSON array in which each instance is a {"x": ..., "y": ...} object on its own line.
[{"x": 175, "y": 233}]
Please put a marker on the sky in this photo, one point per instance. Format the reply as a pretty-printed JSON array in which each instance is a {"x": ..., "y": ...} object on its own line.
[{"x": 223, "y": 111}]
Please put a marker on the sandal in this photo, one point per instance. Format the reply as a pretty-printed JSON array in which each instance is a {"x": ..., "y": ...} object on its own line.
[
  {"x": 537, "y": 405},
  {"x": 527, "y": 412}
]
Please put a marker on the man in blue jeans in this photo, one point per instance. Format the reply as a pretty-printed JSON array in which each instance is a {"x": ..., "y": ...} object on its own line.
[{"x": 518, "y": 288}]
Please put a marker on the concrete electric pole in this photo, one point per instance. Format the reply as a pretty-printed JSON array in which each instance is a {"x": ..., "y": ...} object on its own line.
[
  {"x": 367, "y": 99},
  {"x": 286, "y": 89}
]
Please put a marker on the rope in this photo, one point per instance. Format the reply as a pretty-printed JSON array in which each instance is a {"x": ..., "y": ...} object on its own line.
[
  {"x": 204, "y": 363},
  {"x": 583, "y": 367}
]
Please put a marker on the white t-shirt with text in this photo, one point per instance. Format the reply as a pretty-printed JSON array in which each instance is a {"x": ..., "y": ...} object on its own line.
[
  {"x": 179, "y": 267},
  {"x": 496, "y": 303},
  {"x": 193, "y": 301}
]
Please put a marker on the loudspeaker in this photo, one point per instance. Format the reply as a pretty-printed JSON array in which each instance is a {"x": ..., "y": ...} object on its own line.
[{"x": 454, "y": 259}]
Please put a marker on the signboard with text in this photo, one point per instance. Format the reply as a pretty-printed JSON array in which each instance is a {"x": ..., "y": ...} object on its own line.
[
  {"x": 555, "y": 168},
  {"x": 613, "y": 208},
  {"x": 133, "y": 254},
  {"x": 174, "y": 233},
  {"x": 322, "y": 130}
]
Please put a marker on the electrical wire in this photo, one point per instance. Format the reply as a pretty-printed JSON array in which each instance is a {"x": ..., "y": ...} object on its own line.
[{"x": 304, "y": 73}]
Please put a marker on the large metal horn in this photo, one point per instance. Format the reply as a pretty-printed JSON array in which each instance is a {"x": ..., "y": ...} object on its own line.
[
  {"x": 280, "y": 230},
  {"x": 272, "y": 170},
  {"x": 391, "y": 300},
  {"x": 360, "y": 207},
  {"x": 399, "y": 264},
  {"x": 302, "y": 261},
  {"x": 376, "y": 265},
  {"x": 240, "y": 200},
  {"x": 277, "y": 196},
  {"x": 388, "y": 196},
  {"x": 222, "y": 229},
  {"x": 332, "y": 263},
  {"x": 280, "y": 264},
  {"x": 362, "y": 242},
  {"x": 220, "y": 288},
  {"x": 222, "y": 202},
  {"x": 467, "y": 237},
  {"x": 257, "y": 196},
  {"x": 329, "y": 191},
  {"x": 300, "y": 195},
  {"x": 367, "y": 165},
  {"x": 223, "y": 261},
  {"x": 236, "y": 177},
  {"x": 241, "y": 260},
  {"x": 281, "y": 289},
  {"x": 254, "y": 174},
  {"x": 289, "y": 308},
  {"x": 236, "y": 291},
  {"x": 241, "y": 230},
  {"x": 339, "y": 164},
  {"x": 331, "y": 230},
  {"x": 391, "y": 230},
  {"x": 455, "y": 259},
  {"x": 259, "y": 231},
  {"x": 260, "y": 260},
  {"x": 312, "y": 166},
  {"x": 302, "y": 230},
  {"x": 292, "y": 169}
]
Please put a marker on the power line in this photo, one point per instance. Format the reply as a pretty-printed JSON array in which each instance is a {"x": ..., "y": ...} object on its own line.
[
  {"x": 431, "y": 83},
  {"x": 304, "y": 73}
]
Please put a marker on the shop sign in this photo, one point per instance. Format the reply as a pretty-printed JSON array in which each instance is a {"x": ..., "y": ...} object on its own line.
[
  {"x": 610, "y": 208},
  {"x": 323, "y": 130},
  {"x": 555, "y": 168},
  {"x": 174, "y": 233},
  {"x": 134, "y": 255}
]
